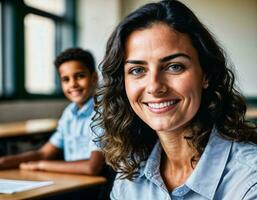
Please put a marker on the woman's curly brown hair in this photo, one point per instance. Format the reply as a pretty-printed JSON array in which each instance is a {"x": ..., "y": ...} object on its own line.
[{"x": 127, "y": 140}]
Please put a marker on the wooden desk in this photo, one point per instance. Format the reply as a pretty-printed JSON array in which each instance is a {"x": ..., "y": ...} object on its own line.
[
  {"x": 28, "y": 127},
  {"x": 17, "y": 137},
  {"x": 62, "y": 183}
]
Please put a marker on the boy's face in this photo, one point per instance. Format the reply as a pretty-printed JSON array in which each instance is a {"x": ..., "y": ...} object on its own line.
[{"x": 77, "y": 81}]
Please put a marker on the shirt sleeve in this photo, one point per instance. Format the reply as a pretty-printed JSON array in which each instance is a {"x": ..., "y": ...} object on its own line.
[
  {"x": 114, "y": 195},
  {"x": 57, "y": 139}
]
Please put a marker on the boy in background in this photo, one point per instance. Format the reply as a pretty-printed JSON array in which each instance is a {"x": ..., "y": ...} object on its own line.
[{"x": 73, "y": 137}]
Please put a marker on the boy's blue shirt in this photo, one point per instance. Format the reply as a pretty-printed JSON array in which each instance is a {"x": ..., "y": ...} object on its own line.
[
  {"x": 73, "y": 134},
  {"x": 226, "y": 170}
]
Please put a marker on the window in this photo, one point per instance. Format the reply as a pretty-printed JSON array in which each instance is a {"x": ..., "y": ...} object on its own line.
[
  {"x": 52, "y": 6},
  {"x": 34, "y": 32},
  {"x": 39, "y": 44}
]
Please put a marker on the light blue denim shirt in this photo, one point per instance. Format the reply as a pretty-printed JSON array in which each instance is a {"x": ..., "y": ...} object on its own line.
[
  {"x": 226, "y": 171},
  {"x": 74, "y": 134}
]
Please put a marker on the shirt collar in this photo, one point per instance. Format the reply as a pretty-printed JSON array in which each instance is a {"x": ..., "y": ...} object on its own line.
[
  {"x": 86, "y": 109},
  {"x": 207, "y": 174},
  {"x": 152, "y": 164}
]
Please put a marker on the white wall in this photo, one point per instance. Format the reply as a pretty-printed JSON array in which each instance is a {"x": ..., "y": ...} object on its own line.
[
  {"x": 130, "y": 5},
  {"x": 234, "y": 22},
  {"x": 97, "y": 19}
]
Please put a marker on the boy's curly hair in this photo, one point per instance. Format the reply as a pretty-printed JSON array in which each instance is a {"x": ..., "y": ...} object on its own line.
[{"x": 78, "y": 54}]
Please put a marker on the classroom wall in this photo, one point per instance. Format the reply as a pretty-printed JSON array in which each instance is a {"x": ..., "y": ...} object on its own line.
[
  {"x": 24, "y": 110},
  {"x": 96, "y": 21},
  {"x": 234, "y": 22}
]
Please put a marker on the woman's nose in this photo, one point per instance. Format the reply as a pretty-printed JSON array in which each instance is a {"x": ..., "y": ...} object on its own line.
[{"x": 155, "y": 84}]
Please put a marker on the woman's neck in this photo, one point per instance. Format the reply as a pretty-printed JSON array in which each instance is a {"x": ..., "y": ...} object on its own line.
[
  {"x": 177, "y": 148},
  {"x": 176, "y": 164}
]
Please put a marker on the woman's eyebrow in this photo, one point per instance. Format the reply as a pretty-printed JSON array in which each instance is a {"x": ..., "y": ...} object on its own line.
[
  {"x": 138, "y": 62},
  {"x": 173, "y": 56},
  {"x": 165, "y": 59}
]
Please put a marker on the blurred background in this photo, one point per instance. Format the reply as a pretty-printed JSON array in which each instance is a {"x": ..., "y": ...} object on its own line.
[{"x": 33, "y": 32}]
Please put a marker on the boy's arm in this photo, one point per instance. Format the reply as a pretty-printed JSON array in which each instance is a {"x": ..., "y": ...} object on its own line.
[
  {"x": 48, "y": 151},
  {"x": 92, "y": 166}
]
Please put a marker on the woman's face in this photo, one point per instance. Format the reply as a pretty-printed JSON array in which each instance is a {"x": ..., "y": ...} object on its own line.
[{"x": 163, "y": 77}]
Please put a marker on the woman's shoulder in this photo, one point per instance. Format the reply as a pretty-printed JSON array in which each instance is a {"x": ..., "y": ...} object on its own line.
[
  {"x": 240, "y": 174},
  {"x": 245, "y": 154}
]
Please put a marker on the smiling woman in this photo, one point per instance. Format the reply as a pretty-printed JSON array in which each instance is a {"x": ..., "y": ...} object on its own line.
[{"x": 174, "y": 123}]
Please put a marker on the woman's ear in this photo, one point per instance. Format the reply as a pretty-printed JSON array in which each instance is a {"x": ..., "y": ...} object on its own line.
[{"x": 205, "y": 82}]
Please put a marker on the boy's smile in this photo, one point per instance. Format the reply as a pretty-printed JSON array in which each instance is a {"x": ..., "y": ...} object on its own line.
[{"x": 77, "y": 81}]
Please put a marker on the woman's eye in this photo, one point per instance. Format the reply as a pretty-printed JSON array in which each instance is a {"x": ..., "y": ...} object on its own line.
[
  {"x": 136, "y": 70},
  {"x": 175, "y": 68}
]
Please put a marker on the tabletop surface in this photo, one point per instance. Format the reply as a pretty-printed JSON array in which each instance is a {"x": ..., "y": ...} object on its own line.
[
  {"x": 62, "y": 183},
  {"x": 33, "y": 126}
]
